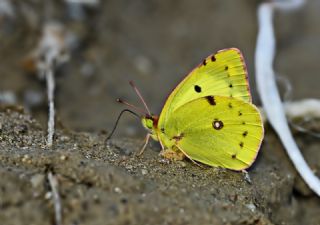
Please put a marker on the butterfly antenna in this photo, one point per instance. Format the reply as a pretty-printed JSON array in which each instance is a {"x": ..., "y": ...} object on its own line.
[
  {"x": 130, "y": 105},
  {"x": 116, "y": 124},
  {"x": 140, "y": 96}
]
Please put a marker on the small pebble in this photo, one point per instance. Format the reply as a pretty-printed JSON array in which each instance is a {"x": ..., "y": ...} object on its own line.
[
  {"x": 181, "y": 164},
  {"x": 63, "y": 157},
  {"x": 25, "y": 158},
  {"x": 48, "y": 195},
  {"x": 64, "y": 138},
  {"x": 129, "y": 167},
  {"x": 144, "y": 172},
  {"x": 251, "y": 206},
  {"x": 117, "y": 190}
]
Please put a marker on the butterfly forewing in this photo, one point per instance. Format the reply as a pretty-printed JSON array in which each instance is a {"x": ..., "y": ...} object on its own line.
[
  {"x": 221, "y": 74},
  {"x": 217, "y": 131}
]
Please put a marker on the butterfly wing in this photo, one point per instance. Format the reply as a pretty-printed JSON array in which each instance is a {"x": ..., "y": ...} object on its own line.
[
  {"x": 217, "y": 131},
  {"x": 223, "y": 74}
]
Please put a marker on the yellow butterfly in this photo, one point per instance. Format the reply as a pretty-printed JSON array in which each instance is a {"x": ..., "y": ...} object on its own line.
[{"x": 209, "y": 117}]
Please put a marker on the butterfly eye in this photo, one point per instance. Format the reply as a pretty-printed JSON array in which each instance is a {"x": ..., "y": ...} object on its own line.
[{"x": 149, "y": 123}]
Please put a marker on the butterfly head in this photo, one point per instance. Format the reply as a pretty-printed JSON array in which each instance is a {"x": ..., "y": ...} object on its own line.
[{"x": 150, "y": 123}]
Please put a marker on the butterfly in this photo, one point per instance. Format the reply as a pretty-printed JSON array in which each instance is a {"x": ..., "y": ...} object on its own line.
[{"x": 209, "y": 116}]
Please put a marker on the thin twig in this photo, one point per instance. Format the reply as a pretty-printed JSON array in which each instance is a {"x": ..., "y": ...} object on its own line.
[
  {"x": 265, "y": 77},
  {"x": 56, "y": 198},
  {"x": 50, "y": 54},
  {"x": 50, "y": 88}
]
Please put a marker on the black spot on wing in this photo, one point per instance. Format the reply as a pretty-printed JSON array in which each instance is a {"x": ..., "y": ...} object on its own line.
[
  {"x": 217, "y": 124},
  {"x": 211, "y": 100},
  {"x": 197, "y": 88},
  {"x": 226, "y": 68},
  {"x": 244, "y": 134},
  {"x": 204, "y": 62},
  {"x": 178, "y": 137},
  {"x": 241, "y": 144},
  {"x": 213, "y": 58}
]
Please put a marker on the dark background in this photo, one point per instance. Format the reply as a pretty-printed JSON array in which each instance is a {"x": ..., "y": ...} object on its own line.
[{"x": 154, "y": 43}]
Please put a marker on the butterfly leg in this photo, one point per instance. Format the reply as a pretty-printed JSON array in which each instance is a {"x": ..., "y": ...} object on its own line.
[
  {"x": 162, "y": 147},
  {"x": 146, "y": 141}
]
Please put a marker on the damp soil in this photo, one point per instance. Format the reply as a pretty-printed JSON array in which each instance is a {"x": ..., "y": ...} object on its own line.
[
  {"x": 106, "y": 183},
  {"x": 154, "y": 43}
]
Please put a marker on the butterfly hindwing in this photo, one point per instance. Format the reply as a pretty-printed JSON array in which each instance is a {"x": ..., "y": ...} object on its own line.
[{"x": 217, "y": 131}]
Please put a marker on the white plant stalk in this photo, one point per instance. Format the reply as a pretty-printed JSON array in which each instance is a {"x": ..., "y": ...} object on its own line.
[
  {"x": 56, "y": 198},
  {"x": 269, "y": 94},
  {"x": 50, "y": 89},
  {"x": 51, "y": 53}
]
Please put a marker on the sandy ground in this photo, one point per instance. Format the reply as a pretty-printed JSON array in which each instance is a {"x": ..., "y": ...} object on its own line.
[
  {"x": 154, "y": 43},
  {"x": 103, "y": 183}
]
